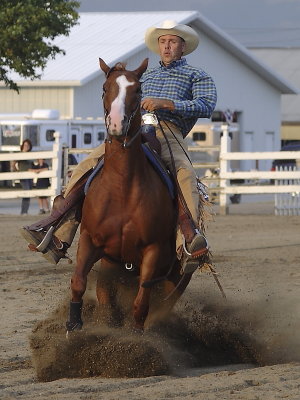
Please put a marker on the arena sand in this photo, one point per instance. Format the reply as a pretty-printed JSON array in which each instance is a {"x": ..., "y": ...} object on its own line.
[{"x": 245, "y": 347}]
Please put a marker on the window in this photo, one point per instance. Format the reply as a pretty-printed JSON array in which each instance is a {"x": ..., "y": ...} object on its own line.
[
  {"x": 101, "y": 136},
  {"x": 74, "y": 141},
  {"x": 10, "y": 135},
  {"x": 87, "y": 138},
  {"x": 199, "y": 136},
  {"x": 31, "y": 132},
  {"x": 50, "y": 135}
]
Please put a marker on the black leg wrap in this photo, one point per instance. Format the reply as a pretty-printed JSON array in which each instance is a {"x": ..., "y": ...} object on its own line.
[{"x": 75, "y": 321}]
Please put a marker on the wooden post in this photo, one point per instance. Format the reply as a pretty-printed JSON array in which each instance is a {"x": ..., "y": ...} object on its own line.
[
  {"x": 225, "y": 148},
  {"x": 57, "y": 164},
  {"x": 65, "y": 166}
]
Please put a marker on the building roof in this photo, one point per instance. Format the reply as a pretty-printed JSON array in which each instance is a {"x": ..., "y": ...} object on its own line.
[
  {"x": 116, "y": 36},
  {"x": 285, "y": 61}
]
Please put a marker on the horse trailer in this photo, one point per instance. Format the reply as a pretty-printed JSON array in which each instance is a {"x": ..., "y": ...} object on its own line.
[{"x": 40, "y": 127}]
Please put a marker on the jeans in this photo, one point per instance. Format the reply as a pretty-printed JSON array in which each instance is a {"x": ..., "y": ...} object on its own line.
[{"x": 26, "y": 185}]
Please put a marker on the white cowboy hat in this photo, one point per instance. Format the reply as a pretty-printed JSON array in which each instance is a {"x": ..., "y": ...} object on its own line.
[{"x": 169, "y": 27}]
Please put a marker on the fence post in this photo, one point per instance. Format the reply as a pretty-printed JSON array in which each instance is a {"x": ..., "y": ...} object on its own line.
[
  {"x": 224, "y": 148},
  {"x": 57, "y": 164},
  {"x": 66, "y": 165}
]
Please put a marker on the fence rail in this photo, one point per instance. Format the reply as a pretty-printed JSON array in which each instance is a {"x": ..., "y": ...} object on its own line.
[
  {"x": 257, "y": 182},
  {"x": 292, "y": 177},
  {"x": 54, "y": 173}
]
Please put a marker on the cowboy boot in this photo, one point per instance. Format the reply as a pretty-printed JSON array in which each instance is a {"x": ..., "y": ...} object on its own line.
[
  {"x": 47, "y": 243},
  {"x": 195, "y": 244},
  {"x": 64, "y": 219}
]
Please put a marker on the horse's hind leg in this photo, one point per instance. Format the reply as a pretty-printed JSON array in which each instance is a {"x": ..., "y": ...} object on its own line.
[
  {"x": 170, "y": 292},
  {"x": 87, "y": 255}
]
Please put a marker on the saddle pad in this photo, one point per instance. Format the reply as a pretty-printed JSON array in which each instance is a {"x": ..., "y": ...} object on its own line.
[
  {"x": 160, "y": 169},
  {"x": 93, "y": 174},
  {"x": 156, "y": 164}
]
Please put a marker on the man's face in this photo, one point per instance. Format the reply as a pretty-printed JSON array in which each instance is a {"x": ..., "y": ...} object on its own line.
[{"x": 171, "y": 48}]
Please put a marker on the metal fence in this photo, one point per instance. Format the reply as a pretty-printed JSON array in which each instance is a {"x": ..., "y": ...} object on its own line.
[{"x": 287, "y": 203}]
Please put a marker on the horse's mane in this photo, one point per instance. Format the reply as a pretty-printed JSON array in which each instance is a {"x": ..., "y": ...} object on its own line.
[{"x": 118, "y": 67}]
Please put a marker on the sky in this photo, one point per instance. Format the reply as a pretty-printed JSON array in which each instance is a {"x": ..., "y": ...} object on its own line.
[{"x": 254, "y": 23}]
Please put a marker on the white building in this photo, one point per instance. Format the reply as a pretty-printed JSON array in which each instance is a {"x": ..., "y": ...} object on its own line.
[
  {"x": 285, "y": 61},
  {"x": 73, "y": 83}
]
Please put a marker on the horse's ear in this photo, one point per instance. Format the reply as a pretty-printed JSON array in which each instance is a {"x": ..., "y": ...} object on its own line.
[
  {"x": 105, "y": 68},
  {"x": 142, "y": 68}
]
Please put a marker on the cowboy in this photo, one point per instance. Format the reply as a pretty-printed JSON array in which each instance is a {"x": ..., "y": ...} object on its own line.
[{"x": 178, "y": 94}]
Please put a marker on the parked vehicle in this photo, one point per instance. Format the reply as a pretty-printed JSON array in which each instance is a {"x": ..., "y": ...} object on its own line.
[
  {"x": 41, "y": 126},
  {"x": 293, "y": 146}
]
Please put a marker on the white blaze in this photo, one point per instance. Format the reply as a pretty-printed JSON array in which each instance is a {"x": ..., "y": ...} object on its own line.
[{"x": 117, "y": 111}]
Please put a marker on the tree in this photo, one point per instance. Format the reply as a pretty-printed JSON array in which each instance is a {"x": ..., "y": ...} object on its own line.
[{"x": 28, "y": 29}]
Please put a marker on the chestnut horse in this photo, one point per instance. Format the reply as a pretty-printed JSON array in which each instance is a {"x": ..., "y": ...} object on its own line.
[{"x": 128, "y": 215}]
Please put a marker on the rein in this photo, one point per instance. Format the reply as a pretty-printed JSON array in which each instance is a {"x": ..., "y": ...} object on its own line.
[
  {"x": 187, "y": 156},
  {"x": 126, "y": 144},
  {"x": 179, "y": 191}
]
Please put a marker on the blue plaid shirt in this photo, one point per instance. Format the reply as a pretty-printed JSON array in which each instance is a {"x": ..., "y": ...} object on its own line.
[{"x": 192, "y": 90}]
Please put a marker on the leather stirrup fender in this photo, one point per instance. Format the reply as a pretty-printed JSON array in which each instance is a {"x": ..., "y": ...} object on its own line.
[{"x": 62, "y": 205}]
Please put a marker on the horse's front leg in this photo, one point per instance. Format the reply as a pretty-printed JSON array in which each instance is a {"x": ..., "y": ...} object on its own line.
[
  {"x": 106, "y": 291},
  {"x": 87, "y": 255},
  {"x": 149, "y": 267}
]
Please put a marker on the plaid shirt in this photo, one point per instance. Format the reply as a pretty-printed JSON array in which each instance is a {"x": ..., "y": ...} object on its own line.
[{"x": 192, "y": 91}]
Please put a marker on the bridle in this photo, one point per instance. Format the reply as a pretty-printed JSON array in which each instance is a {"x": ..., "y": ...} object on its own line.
[{"x": 125, "y": 143}]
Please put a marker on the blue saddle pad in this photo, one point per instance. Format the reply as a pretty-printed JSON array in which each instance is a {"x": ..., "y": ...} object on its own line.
[{"x": 162, "y": 172}]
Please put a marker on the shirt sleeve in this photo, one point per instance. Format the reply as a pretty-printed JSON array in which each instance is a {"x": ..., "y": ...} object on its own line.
[{"x": 204, "y": 98}]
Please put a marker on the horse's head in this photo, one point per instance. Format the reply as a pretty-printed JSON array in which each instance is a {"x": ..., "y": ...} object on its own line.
[{"x": 121, "y": 96}]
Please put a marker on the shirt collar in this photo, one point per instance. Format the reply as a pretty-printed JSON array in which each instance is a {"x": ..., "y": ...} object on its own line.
[{"x": 174, "y": 64}]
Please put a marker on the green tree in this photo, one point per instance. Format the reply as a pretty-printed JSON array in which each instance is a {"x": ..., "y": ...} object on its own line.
[{"x": 28, "y": 29}]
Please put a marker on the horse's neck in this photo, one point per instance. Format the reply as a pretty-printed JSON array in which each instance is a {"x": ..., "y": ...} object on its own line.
[{"x": 123, "y": 161}]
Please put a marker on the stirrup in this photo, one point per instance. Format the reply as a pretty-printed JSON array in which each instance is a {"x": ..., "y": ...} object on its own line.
[
  {"x": 47, "y": 239},
  {"x": 184, "y": 247},
  {"x": 199, "y": 253}
]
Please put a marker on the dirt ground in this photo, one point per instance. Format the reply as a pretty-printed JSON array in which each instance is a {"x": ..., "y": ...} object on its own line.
[{"x": 245, "y": 347}]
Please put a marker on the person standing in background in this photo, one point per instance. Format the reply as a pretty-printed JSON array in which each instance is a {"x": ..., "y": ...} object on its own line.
[
  {"x": 42, "y": 183},
  {"x": 27, "y": 184}
]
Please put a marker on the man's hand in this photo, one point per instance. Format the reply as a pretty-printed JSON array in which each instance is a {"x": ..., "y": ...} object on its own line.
[{"x": 152, "y": 104}]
